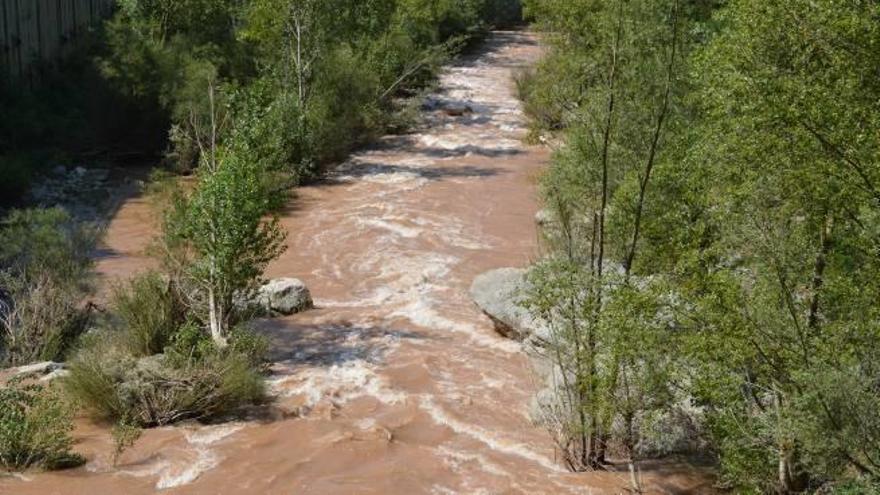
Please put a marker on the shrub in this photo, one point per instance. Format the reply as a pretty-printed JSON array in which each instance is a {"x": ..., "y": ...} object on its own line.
[
  {"x": 252, "y": 346},
  {"x": 124, "y": 436},
  {"x": 40, "y": 320},
  {"x": 17, "y": 170},
  {"x": 342, "y": 111},
  {"x": 35, "y": 426},
  {"x": 548, "y": 90},
  {"x": 269, "y": 127},
  {"x": 150, "y": 312},
  {"x": 44, "y": 274},
  {"x": 46, "y": 240},
  {"x": 200, "y": 382}
]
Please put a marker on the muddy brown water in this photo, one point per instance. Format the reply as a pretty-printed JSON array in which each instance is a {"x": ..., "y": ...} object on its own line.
[{"x": 396, "y": 384}]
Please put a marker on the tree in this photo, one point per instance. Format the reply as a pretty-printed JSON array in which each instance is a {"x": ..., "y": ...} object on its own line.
[
  {"x": 786, "y": 313},
  {"x": 626, "y": 96},
  {"x": 221, "y": 237}
]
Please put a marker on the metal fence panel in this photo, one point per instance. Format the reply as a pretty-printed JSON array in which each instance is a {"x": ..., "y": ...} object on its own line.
[{"x": 34, "y": 31}]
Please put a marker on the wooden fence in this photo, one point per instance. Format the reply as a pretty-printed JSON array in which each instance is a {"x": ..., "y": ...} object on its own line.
[{"x": 43, "y": 30}]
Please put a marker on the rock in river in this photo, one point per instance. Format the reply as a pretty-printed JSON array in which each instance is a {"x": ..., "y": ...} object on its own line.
[
  {"x": 499, "y": 293},
  {"x": 285, "y": 296}
]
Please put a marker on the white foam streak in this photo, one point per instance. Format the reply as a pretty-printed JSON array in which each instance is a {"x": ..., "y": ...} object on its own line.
[
  {"x": 482, "y": 435},
  {"x": 421, "y": 313},
  {"x": 174, "y": 475},
  {"x": 396, "y": 228}
]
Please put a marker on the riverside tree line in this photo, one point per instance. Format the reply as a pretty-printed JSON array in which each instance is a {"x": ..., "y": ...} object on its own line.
[
  {"x": 249, "y": 97},
  {"x": 713, "y": 271}
]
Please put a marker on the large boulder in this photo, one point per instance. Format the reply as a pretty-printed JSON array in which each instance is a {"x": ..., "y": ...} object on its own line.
[
  {"x": 499, "y": 294},
  {"x": 285, "y": 295}
]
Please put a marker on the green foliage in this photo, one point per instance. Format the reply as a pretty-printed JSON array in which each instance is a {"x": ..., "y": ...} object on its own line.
[
  {"x": 786, "y": 111},
  {"x": 268, "y": 126},
  {"x": 35, "y": 426},
  {"x": 251, "y": 345},
  {"x": 44, "y": 274},
  {"x": 308, "y": 79},
  {"x": 219, "y": 239},
  {"x": 46, "y": 241},
  {"x": 748, "y": 249},
  {"x": 202, "y": 382},
  {"x": 124, "y": 436},
  {"x": 854, "y": 488},
  {"x": 150, "y": 312},
  {"x": 612, "y": 85}
]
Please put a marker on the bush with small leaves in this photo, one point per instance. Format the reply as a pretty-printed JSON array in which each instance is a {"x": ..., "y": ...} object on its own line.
[{"x": 35, "y": 426}]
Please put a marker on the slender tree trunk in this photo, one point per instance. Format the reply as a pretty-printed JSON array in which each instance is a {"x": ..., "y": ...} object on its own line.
[
  {"x": 819, "y": 272},
  {"x": 596, "y": 457},
  {"x": 635, "y": 477},
  {"x": 652, "y": 153},
  {"x": 215, "y": 319},
  {"x": 789, "y": 481},
  {"x": 300, "y": 75}
]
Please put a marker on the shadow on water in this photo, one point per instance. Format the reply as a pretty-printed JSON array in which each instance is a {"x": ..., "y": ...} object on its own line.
[
  {"x": 329, "y": 344},
  {"x": 434, "y": 173}
]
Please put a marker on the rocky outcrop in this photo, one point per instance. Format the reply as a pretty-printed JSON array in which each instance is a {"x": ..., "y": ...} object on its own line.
[
  {"x": 499, "y": 294},
  {"x": 285, "y": 296}
]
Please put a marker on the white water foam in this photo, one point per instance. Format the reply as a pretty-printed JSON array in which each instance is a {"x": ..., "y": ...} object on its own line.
[
  {"x": 340, "y": 383},
  {"x": 421, "y": 312},
  {"x": 396, "y": 228},
  {"x": 428, "y": 404},
  {"x": 175, "y": 472},
  {"x": 457, "y": 460},
  {"x": 206, "y": 459}
]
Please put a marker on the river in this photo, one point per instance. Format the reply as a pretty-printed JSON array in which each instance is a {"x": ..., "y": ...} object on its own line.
[{"x": 395, "y": 384}]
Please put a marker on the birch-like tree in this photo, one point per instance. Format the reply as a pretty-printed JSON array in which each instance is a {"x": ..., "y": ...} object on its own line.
[{"x": 222, "y": 235}]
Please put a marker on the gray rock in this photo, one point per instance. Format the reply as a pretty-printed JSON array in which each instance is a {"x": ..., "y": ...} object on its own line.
[
  {"x": 457, "y": 109},
  {"x": 43, "y": 368},
  {"x": 285, "y": 295},
  {"x": 59, "y": 373},
  {"x": 544, "y": 217},
  {"x": 498, "y": 294},
  {"x": 431, "y": 104}
]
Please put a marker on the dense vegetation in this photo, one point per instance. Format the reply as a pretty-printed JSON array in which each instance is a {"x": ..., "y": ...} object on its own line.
[
  {"x": 712, "y": 268},
  {"x": 301, "y": 82},
  {"x": 35, "y": 422},
  {"x": 253, "y": 96}
]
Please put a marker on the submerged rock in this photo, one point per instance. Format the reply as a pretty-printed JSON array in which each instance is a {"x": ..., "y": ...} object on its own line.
[
  {"x": 457, "y": 109},
  {"x": 285, "y": 295},
  {"x": 499, "y": 293}
]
